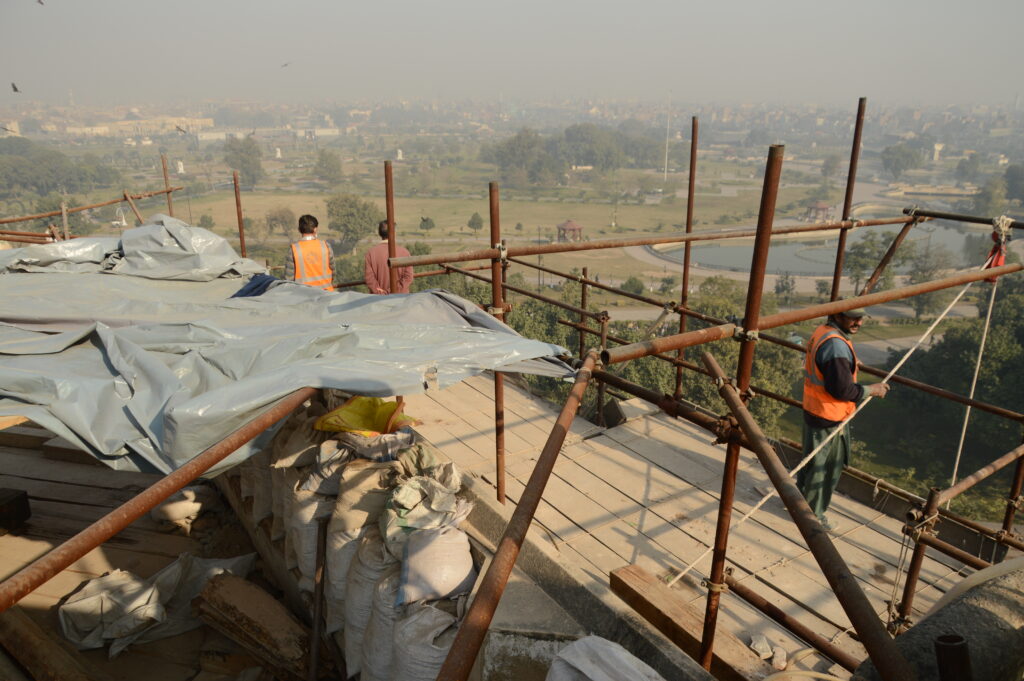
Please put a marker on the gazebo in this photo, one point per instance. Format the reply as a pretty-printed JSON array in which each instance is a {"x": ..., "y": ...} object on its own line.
[{"x": 570, "y": 231}]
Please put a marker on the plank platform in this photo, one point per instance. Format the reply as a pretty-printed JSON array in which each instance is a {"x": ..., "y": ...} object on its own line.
[
  {"x": 65, "y": 496},
  {"x": 646, "y": 493}
]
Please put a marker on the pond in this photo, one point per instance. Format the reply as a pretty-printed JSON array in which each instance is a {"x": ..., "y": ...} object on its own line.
[{"x": 816, "y": 257}]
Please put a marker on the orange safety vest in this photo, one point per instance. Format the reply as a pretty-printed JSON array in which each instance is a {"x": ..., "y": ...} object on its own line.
[
  {"x": 312, "y": 264},
  {"x": 817, "y": 399}
]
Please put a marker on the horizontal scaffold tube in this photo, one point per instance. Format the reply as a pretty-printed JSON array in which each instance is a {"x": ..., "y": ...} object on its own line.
[
  {"x": 30, "y": 577},
  {"x": 691, "y": 338},
  {"x": 515, "y": 251},
  {"x": 79, "y": 209}
]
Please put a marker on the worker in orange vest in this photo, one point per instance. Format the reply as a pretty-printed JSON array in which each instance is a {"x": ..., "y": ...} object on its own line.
[
  {"x": 311, "y": 259},
  {"x": 831, "y": 393}
]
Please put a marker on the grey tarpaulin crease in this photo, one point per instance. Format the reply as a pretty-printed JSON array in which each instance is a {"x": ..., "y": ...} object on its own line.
[{"x": 134, "y": 350}]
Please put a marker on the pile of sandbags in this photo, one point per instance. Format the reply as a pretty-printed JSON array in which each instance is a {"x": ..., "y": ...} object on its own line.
[{"x": 396, "y": 563}]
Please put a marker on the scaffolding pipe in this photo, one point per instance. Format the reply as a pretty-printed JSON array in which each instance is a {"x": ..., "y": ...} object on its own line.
[
  {"x": 131, "y": 204},
  {"x": 683, "y": 364},
  {"x": 27, "y": 240},
  {"x": 597, "y": 316},
  {"x": 29, "y": 578},
  {"x": 238, "y": 212},
  {"x": 583, "y": 318},
  {"x": 471, "y": 632},
  {"x": 389, "y": 205},
  {"x": 498, "y": 310},
  {"x": 817, "y": 641},
  {"x": 922, "y": 529},
  {"x": 667, "y": 343},
  {"x": 1013, "y": 500},
  {"x": 745, "y": 365},
  {"x": 980, "y": 474},
  {"x": 916, "y": 212},
  {"x": 882, "y": 650},
  {"x": 488, "y": 253},
  {"x": 79, "y": 209},
  {"x": 851, "y": 180},
  {"x": 415, "y": 275},
  {"x": 684, "y": 288},
  {"x": 945, "y": 547},
  {"x": 887, "y": 258},
  {"x": 167, "y": 185}
]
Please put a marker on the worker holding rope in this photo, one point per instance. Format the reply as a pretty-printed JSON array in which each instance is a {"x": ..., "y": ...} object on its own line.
[{"x": 831, "y": 393}]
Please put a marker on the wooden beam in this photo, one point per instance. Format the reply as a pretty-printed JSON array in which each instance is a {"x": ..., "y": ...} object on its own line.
[
  {"x": 39, "y": 653},
  {"x": 666, "y": 610},
  {"x": 9, "y": 421}
]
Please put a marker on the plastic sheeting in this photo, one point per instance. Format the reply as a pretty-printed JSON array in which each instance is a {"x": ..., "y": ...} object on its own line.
[{"x": 135, "y": 351}]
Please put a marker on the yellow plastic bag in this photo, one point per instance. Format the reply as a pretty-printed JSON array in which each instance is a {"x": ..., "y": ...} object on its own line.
[{"x": 367, "y": 416}]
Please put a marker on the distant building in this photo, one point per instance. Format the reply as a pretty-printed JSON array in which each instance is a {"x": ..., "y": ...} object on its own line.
[
  {"x": 818, "y": 211},
  {"x": 570, "y": 231}
]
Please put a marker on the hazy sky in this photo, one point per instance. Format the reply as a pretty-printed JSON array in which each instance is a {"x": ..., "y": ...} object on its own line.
[{"x": 689, "y": 51}]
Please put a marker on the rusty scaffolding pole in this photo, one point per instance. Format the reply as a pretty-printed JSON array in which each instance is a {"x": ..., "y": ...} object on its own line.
[
  {"x": 891, "y": 664},
  {"x": 684, "y": 289},
  {"x": 471, "y": 632},
  {"x": 745, "y": 364},
  {"x": 851, "y": 180},
  {"x": 498, "y": 310},
  {"x": 389, "y": 205}
]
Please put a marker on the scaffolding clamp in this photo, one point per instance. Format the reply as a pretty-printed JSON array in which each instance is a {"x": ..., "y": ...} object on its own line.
[
  {"x": 502, "y": 253},
  {"x": 714, "y": 587},
  {"x": 1016, "y": 502},
  {"x": 742, "y": 334}
]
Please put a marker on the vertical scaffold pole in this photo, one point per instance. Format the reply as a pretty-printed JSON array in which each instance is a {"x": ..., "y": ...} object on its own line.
[{"x": 762, "y": 241}]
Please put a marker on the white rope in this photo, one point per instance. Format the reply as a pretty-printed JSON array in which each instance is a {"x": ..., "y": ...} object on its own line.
[
  {"x": 838, "y": 428},
  {"x": 974, "y": 383}
]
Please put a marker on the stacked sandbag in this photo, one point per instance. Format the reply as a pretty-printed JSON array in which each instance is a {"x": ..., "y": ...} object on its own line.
[
  {"x": 421, "y": 643},
  {"x": 372, "y": 562},
  {"x": 437, "y": 564},
  {"x": 341, "y": 551},
  {"x": 423, "y": 501},
  {"x": 379, "y": 637},
  {"x": 362, "y": 492}
]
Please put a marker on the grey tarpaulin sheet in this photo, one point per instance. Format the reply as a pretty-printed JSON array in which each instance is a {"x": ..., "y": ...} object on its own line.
[{"x": 145, "y": 372}]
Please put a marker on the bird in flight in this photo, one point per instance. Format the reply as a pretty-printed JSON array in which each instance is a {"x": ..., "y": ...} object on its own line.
[
  {"x": 6, "y": 129},
  {"x": 14, "y": 86},
  {"x": 41, "y": 2},
  {"x": 285, "y": 64},
  {"x": 252, "y": 134},
  {"x": 182, "y": 130}
]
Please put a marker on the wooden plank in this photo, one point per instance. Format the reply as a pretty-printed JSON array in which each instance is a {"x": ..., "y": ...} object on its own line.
[
  {"x": 86, "y": 495},
  {"x": 59, "y": 529},
  {"x": 24, "y": 437},
  {"x": 10, "y": 421},
  {"x": 39, "y": 468},
  {"x": 662, "y": 607},
  {"x": 39, "y": 653}
]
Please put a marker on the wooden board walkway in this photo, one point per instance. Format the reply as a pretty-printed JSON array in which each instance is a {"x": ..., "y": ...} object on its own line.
[
  {"x": 646, "y": 492},
  {"x": 67, "y": 491}
]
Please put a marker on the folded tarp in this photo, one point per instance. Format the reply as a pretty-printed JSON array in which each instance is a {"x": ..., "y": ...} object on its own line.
[{"x": 144, "y": 372}]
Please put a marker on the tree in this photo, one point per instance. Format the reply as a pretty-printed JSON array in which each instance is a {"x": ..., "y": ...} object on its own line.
[
  {"x": 967, "y": 169},
  {"x": 928, "y": 263},
  {"x": 823, "y": 287},
  {"x": 244, "y": 156},
  {"x": 1015, "y": 182},
  {"x": 900, "y": 158},
  {"x": 206, "y": 221},
  {"x": 328, "y": 167},
  {"x": 475, "y": 223},
  {"x": 633, "y": 285},
  {"x": 519, "y": 226},
  {"x": 990, "y": 202},
  {"x": 281, "y": 219},
  {"x": 863, "y": 256},
  {"x": 668, "y": 285},
  {"x": 426, "y": 224},
  {"x": 353, "y": 218},
  {"x": 785, "y": 286},
  {"x": 830, "y": 166}
]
